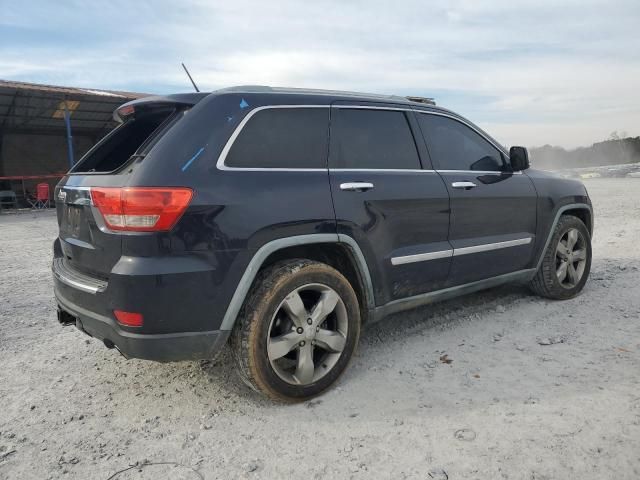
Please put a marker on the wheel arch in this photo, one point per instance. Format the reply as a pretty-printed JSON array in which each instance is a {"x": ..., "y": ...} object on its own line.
[
  {"x": 583, "y": 211},
  {"x": 584, "y": 214},
  {"x": 337, "y": 250}
]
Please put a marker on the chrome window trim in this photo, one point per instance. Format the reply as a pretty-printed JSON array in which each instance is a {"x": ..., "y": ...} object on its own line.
[
  {"x": 220, "y": 164},
  {"x": 499, "y": 147},
  {"x": 225, "y": 151},
  {"x": 485, "y": 247}
]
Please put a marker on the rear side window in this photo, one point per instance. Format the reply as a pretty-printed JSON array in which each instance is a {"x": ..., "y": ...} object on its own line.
[
  {"x": 454, "y": 146},
  {"x": 372, "y": 139},
  {"x": 282, "y": 138}
]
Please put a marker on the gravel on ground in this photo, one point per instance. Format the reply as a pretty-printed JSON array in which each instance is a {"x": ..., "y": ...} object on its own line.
[{"x": 496, "y": 385}]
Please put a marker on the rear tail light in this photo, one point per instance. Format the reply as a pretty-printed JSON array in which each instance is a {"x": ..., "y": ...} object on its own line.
[
  {"x": 141, "y": 209},
  {"x": 129, "y": 319}
]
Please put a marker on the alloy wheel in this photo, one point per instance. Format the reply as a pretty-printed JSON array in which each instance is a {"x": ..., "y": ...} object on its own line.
[
  {"x": 307, "y": 334},
  {"x": 571, "y": 258}
]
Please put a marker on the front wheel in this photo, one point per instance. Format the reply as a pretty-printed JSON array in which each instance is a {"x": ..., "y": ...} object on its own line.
[
  {"x": 297, "y": 330},
  {"x": 567, "y": 261}
]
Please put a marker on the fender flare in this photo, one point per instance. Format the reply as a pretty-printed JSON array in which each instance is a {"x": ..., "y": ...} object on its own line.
[
  {"x": 560, "y": 211},
  {"x": 267, "y": 249}
]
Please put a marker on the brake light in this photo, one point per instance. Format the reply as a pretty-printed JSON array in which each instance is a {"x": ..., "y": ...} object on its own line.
[
  {"x": 129, "y": 319},
  {"x": 126, "y": 110},
  {"x": 141, "y": 209}
]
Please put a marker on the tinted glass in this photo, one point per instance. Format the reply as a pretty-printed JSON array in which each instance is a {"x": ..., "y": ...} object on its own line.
[
  {"x": 364, "y": 138},
  {"x": 282, "y": 138},
  {"x": 454, "y": 146},
  {"x": 126, "y": 139}
]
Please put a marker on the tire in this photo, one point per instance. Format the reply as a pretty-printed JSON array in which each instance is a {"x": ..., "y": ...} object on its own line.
[
  {"x": 272, "y": 319},
  {"x": 547, "y": 282}
]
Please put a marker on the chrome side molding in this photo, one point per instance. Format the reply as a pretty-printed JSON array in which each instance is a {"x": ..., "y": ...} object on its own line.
[
  {"x": 491, "y": 246},
  {"x": 485, "y": 247},
  {"x": 421, "y": 257}
]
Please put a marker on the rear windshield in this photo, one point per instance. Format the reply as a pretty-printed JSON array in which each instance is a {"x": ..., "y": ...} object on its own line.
[{"x": 133, "y": 137}]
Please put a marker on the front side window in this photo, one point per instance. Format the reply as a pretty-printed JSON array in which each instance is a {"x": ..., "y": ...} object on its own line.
[
  {"x": 282, "y": 138},
  {"x": 372, "y": 139},
  {"x": 455, "y": 146}
]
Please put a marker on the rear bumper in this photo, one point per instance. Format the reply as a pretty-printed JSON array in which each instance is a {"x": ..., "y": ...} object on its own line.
[
  {"x": 180, "y": 298},
  {"x": 164, "y": 347}
]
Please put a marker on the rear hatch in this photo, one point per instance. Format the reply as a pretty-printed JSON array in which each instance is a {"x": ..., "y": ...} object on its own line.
[{"x": 87, "y": 245}]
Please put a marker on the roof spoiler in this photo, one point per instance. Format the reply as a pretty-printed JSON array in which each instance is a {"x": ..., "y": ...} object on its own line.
[{"x": 125, "y": 111}]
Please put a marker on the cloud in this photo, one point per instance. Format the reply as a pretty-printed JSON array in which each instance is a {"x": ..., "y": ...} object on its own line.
[{"x": 530, "y": 72}]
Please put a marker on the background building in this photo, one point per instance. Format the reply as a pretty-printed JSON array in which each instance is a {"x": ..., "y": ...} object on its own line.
[{"x": 34, "y": 145}]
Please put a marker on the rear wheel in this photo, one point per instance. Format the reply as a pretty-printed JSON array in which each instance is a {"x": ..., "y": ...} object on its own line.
[
  {"x": 297, "y": 331},
  {"x": 567, "y": 261}
]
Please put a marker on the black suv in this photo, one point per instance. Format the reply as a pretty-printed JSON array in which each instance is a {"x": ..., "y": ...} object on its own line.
[{"x": 284, "y": 220}]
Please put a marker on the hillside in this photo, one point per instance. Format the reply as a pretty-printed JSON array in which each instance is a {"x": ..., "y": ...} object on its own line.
[{"x": 614, "y": 151}]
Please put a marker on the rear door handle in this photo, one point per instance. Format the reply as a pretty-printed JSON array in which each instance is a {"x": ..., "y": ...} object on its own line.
[
  {"x": 356, "y": 186},
  {"x": 465, "y": 185}
]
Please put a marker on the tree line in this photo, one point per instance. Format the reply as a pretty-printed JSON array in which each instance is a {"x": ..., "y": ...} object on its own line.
[{"x": 613, "y": 151}]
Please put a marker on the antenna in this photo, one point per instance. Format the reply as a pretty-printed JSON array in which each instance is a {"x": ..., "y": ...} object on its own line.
[{"x": 189, "y": 75}]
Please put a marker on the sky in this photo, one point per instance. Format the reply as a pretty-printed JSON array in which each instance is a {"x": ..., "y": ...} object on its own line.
[{"x": 529, "y": 72}]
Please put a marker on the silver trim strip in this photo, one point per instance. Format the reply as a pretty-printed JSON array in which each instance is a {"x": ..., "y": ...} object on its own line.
[
  {"x": 372, "y": 107},
  {"x": 225, "y": 151},
  {"x": 481, "y": 172},
  {"x": 421, "y": 257},
  {"x": 491, "y": 246},
  {"x": 401, "y": 170},
  {"x": 80, "y": 286},
  {"x": 76, "y": 284},
  {"x": 486, "y": 247},
  {"x": 220, "y": 165}
]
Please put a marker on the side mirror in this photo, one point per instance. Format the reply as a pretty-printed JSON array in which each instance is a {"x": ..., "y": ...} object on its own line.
[{"x": 519, "y": 158}]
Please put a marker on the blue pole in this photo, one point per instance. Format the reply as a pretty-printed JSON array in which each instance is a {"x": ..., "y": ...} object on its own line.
[{"x": 67, "y": 121}]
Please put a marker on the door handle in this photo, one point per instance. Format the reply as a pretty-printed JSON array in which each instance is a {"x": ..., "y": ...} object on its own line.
[
  {"x": 465, "y": 185},
  {"x": 356, "y": 186}
]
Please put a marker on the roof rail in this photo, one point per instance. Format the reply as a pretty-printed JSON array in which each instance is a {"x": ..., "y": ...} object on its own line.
[{"x": 427, "y": 100}]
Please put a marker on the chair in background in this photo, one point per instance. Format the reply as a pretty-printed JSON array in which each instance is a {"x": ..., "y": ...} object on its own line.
[{"x": 42, "y": 197}]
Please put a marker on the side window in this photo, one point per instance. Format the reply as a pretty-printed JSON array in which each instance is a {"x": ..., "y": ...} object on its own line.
[
  {"x": 454, "y": 146},
  {"x": 372, "y": 139},
  {"x": 282, "y": 138}
]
